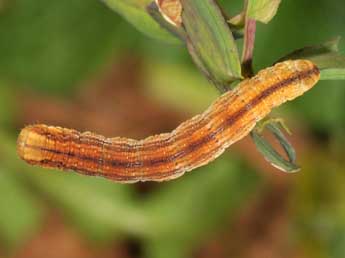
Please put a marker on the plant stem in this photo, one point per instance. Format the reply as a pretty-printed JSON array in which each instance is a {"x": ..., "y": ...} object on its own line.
[{"x": 248, "y": 48}]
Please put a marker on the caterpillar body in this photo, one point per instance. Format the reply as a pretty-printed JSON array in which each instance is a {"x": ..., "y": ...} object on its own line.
[{"x": 194, "y": 143}]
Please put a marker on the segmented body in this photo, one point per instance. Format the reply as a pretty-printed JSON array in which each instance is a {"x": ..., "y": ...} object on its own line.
[{"x": 194, "y": 143}]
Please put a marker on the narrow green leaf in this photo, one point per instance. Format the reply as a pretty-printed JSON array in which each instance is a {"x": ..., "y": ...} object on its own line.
[
  {"x": 333, "y": 74},
  {"x": 270, "y": 154},
  {"x": 212, "y": 41},
  {"x": 262, "y": 10},
  {"x": 330, "y": 46},
  {"x": 290, "y": 151},
  {"x": 329, "y": 61},
  {"x": 326, "y": 56}
]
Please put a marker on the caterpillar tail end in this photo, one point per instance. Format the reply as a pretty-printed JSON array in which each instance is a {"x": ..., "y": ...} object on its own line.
[{"x": 29, "y": 145}]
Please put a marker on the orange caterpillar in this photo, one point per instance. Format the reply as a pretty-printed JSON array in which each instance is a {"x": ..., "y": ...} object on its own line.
[{"x": 194, "y": 143}]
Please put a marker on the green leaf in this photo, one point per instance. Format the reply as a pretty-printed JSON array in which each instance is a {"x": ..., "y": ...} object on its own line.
[
  {"x": 333, "y": 74},
  {"x": 290, "y": 151},
  {"x": 262, "y": 10},
  {"x": 135, "y": 13},
  {"x": 259, "y": 10},
  {"x": 326, "y": 56},
  {"x": 211, "y": 41},
  {"x": 269, "y": 153},
  {"x": 330, "y": 46}
]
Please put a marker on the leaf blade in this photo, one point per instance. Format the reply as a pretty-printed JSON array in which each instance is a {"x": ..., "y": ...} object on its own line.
[
  {"x": 212, "y": 40},
  {"x": 136, "y": 14},
  {"x": 262, "y": 10},
  {"x": 269, "y": 153},
  {"x": 326, "y": 56}
]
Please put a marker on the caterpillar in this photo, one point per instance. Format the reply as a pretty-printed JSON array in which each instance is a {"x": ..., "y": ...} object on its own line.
[{"x": 194, "y": 143}]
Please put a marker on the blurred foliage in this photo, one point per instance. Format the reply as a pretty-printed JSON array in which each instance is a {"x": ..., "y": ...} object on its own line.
[
  {"x": 319, "y": 217},
  {"x": 53, "y": 50},
  {"x": 102, "y": 209},
  {"x": 20, "y": 212},
  {"x": 54, "y": 46}
]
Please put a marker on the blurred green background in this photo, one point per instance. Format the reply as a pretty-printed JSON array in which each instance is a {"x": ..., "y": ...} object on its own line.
[{"x": 81, "y": 65}]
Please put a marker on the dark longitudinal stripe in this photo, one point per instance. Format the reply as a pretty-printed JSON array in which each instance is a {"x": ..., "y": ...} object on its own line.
[
  {"x": 150, "y": 146},
  {"x": 58, "y": 164},
  {"x": 202, "y": 141}
]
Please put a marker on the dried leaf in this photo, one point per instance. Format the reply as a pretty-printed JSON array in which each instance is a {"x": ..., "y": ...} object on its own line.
[
  {"x": 137, "y": 15},
  {"x": 171, "y": 11},
  {"x": 156, "y": 14}
]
